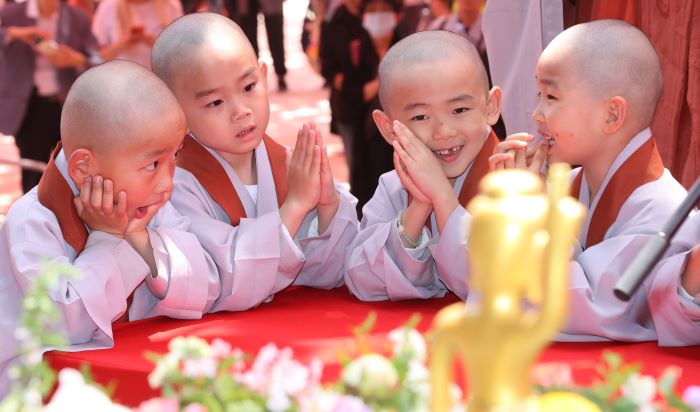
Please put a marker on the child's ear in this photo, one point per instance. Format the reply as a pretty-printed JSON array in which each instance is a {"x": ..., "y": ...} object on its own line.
[
  {"x": 616, "y": 114},
  {"x": 263, "y": 71},
  {"x": 493, "y": 105},
  {"x": 384, "y": 124},
  {"x": 81, "y": 164}
]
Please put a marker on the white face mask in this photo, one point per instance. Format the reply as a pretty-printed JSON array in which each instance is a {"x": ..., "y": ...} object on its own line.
[{"x": 380, "y": 23}]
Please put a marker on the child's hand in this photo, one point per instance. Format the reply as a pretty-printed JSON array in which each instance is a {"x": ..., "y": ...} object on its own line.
[
  {"x": 419, "y": 164},
  {"x": 96, "y": 207},
  {"x": 303, "y": 180},
  {"x": 328, "y": 200},
  {"x": 514, "y": 153},
  {"x": 416, "y": 194},
  {"x": 691, "y": 276},
  {"x": 328, "y": 195}
]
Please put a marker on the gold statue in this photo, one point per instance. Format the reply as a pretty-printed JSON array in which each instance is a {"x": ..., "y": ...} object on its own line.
[{"x": 520, "y": 246}]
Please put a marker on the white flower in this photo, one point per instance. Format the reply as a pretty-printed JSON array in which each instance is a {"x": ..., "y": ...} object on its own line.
[
  {"x": 165, "y": 366},
  {"x": 220, "y": 348},
  {"x": 199, "y": 367},
  {"x": 73, "y": 394},
  {"x": 373, "y": 375},
  {"x": 408, "y": 341},
  {"x": 640, "y": 389}
]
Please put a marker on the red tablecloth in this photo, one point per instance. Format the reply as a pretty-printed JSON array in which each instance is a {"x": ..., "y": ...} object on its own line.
[{"x": 317, "y": 323}]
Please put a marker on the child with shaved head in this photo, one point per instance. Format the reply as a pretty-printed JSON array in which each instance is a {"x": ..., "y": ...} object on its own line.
[
  {"x": 268, "y": 219},
  {"x": 102, "y": 205},
  {"x": 599, "y": 84},
  {"x": 437, "y": 114}
]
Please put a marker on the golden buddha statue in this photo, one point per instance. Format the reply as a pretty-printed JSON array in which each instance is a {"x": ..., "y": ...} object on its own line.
[{"x": 519, "y": 246}]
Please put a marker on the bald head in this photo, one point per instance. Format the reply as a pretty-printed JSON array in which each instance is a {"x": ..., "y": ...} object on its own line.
[
  {"x": 182, "y": 41},
  {"x": 614, "y": 58},
  {"x": 433, "y": 47},
  {"x": 110, "y": 105}
]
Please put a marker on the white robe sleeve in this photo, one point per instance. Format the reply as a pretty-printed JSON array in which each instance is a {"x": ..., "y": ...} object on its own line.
[
  {"x": 378, "y": 267},
  {"x": 255, "y": 259},
  {"x": 190, "y": 279},
  {"x": 325, "y": 252},
  {"x": 654, "y": 312},
  {"x": 109, "y": 268}
]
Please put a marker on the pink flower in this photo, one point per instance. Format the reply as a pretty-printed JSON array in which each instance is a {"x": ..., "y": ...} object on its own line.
[
  {"x": 159, "y": 405},
  {"x": 195, "y": 407},
  {"x": 552, "y": 374},
  {"x": 691, "y": 396}
]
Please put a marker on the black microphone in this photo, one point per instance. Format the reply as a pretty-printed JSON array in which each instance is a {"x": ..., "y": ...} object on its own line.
[{"x": 655, "y": 248}]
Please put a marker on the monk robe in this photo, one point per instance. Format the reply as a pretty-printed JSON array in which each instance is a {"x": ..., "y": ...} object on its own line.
[
  {"x": 44, "y": 225},
  {"x": 379, "y": 267},
  {"x": 241, "y": 228},
  {"x": 635, "y": 200}
]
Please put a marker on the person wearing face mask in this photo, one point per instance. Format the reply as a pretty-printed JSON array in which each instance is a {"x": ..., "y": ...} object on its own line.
[{"x": 372, "y": 156}]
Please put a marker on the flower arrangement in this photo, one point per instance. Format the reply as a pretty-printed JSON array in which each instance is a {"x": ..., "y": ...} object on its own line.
[{"x": 198, "y": 376}]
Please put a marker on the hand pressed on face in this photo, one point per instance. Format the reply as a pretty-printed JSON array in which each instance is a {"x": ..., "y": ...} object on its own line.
[
  {"x": 97, "y": 208},
  {"x": 419, "y": 163}
]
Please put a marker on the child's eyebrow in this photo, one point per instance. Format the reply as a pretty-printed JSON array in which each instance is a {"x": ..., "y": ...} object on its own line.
[
  {"x": 204, "y": 93},
  {"x": 412, "y": 106},
  {"x": 248, "y": 72},
  {"x": 154, "y": 153},
  {"x": 461, "y": 98}
]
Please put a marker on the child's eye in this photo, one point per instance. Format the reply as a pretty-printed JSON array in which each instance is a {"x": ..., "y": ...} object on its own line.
[
  {"x": 550, "y": 97},
  {"x": 153, "y": 166},
  {"x": 460, "y": 110},
  {"x": 215, "y": 103},
  {"x": 249, "y": 87},
  {"x": 177, "y": 152},
  {"x": 419, "y": 117}
]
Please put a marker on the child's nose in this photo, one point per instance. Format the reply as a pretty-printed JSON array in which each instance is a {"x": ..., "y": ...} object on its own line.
[
  {"x": 537, "y": 116},
  {"x": 444, "y": 131},
  {"x": 165, "y": 181},
  {"x": 240, "y": 111}
]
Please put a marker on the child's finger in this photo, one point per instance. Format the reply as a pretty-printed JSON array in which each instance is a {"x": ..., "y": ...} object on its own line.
[
  {"x": 108, "y": 197},
  {"x": 506, "y": 145},
  {"x": 525, "y": 137},
  {"x": 316, "y": 161},
  {"x": 297, "y": 152},
  {"x": 85, "y": 191},
  {"x": 96, "y": 197},
  {"x": 520, "y": 159},
  {"x": 540, "y": 157},
  {"x": 121, "y": 204},
  {"x": 510, "y": 161},
  {"x": 403, "y": 155},
  {"x": 403, "y": 136},
  {"x": 310, "y": 150},
  {"x": 497, "y": 161},
  {"x": 78, "y": 205}
]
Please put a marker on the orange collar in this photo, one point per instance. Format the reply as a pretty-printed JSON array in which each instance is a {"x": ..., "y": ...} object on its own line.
[
  {"x": 196, "y": 159},
  {"x": 642, "y": 167},
  {"x": 56, "y": 195}
]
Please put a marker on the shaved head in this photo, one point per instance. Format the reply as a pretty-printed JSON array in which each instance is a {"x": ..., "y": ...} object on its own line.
[
  {"x": 433, "y": 47},
  {"x": 613, "y": 58},
  {"x": 183, "y": 41},
  {"x": 111, "y": 104}
]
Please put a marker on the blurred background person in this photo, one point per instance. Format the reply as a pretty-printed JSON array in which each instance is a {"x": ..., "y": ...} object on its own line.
[
  {"x": 247, "y": 17},
  {"x": 44, "y": 46},
  {"x": 339, "y": 53},
  {"x": 436, "y": 19},
  {"x": 126, "y": 29}
]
